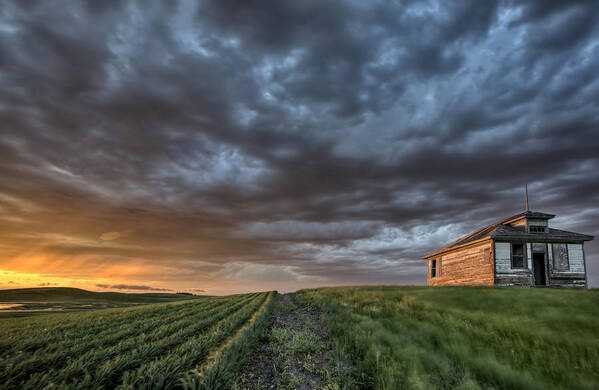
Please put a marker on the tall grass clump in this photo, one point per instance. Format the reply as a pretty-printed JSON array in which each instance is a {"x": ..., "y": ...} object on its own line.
[{"x": 465, "y": 337}]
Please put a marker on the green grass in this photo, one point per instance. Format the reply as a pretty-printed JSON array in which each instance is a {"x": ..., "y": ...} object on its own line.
[
  {"x": 151, "y": 346},
  {"x": 295, "y": 342},
  {"x": 465, "y": 338}
]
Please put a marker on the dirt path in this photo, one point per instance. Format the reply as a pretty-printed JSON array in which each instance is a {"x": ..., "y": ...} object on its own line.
[{"x": 294, "y": 353}]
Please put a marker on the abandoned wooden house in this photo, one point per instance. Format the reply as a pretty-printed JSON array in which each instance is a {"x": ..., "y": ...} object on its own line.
[{"x": 521, "y": 250}]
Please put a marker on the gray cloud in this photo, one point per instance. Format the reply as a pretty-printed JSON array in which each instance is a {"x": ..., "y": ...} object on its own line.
[{"x": 323, "y": 142}]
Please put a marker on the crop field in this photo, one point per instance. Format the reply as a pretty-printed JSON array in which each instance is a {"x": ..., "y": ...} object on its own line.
[
  {"x": 464, "y": 337},
  {"x": 338, "y": 338},
  {"x": 192, "y": 344}
]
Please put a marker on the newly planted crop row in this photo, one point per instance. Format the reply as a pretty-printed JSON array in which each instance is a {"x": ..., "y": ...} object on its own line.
[
  {"x": 221, "y": 367},
  {"x": 44, "y": 332},
  {"x": 94, "y": 337},
  {"x": 161, "y": 343},
  {"x": 75, "y": 344},
  {"x": 169, "y": 370},
  {"x": 41, "y": 370},
  {"x": 78, "y": 364},
  {"x": 108, "y": 374}
]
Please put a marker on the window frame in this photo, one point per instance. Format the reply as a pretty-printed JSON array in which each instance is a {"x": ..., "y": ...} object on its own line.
[
  {"x": 487, "y": 255},
  {"x": 553, "y": 257},
  {"x": 537, "y": 229},
  {"x": 524, "y": 256},
  {"x": 434, "y": 266}
]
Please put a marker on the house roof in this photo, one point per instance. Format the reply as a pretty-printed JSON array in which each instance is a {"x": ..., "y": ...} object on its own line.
[
  {"x": 515, "y": 232},
  {"x": 500, "y": 230}
]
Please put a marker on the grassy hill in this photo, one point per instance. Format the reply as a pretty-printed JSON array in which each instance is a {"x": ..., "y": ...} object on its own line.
[
  {"x": 464, "y": 337},
  {"x": 62, "y": 299}
]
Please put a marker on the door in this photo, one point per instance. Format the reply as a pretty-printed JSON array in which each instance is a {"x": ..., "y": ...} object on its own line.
[{"x": 539, "y": 268}]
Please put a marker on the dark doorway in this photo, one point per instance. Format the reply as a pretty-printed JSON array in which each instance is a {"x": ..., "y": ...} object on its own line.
[{"x": 539, "y": 267}]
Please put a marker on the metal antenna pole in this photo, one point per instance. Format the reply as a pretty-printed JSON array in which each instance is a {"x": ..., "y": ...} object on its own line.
[{"x": 526, "y": 190}]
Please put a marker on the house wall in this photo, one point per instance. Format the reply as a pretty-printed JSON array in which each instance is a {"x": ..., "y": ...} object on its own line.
[
  {"x": 471, "y": 266},
  {"x": 575, "y": 276},
  {"x": 506, "y": 276}
]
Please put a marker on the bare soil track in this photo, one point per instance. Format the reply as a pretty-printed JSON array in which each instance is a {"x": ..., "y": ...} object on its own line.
[{"x": 294, "y": 353}]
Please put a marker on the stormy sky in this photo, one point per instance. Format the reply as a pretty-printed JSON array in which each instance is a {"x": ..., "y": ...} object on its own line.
[{"x": 233, "y": 146}]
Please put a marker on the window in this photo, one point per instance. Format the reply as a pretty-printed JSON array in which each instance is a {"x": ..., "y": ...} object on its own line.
[
  {"x": 433, "y": 268},
  {"x": 560, "y": 257},
  {"x": 536, "y": 229},
  {"x": 518, "y": 256},
  {"x": 487, "y": 255}
]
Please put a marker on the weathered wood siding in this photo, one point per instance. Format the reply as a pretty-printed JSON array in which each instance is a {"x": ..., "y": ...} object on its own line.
[
  {"x": 505, "y": 275},
  {"x": 502, "y": 257},
  {"x": 472, "y": 266},
  {"x": 576, "y": 258},
  {"x": 573, "y": 277}
]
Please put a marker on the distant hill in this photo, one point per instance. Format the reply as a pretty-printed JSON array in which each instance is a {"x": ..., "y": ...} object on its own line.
[{"x": 58, "y": 294}]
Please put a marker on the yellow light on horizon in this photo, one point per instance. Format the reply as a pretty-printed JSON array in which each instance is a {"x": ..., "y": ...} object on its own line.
[{"x": 12, "y": 279}]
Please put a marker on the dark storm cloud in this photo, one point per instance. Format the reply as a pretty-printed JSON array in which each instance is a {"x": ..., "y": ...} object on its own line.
[{"x": 324, "y": 142}]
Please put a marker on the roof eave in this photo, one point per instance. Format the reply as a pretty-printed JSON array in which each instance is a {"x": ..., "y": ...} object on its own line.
[{"x": 582, "y": 237}]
